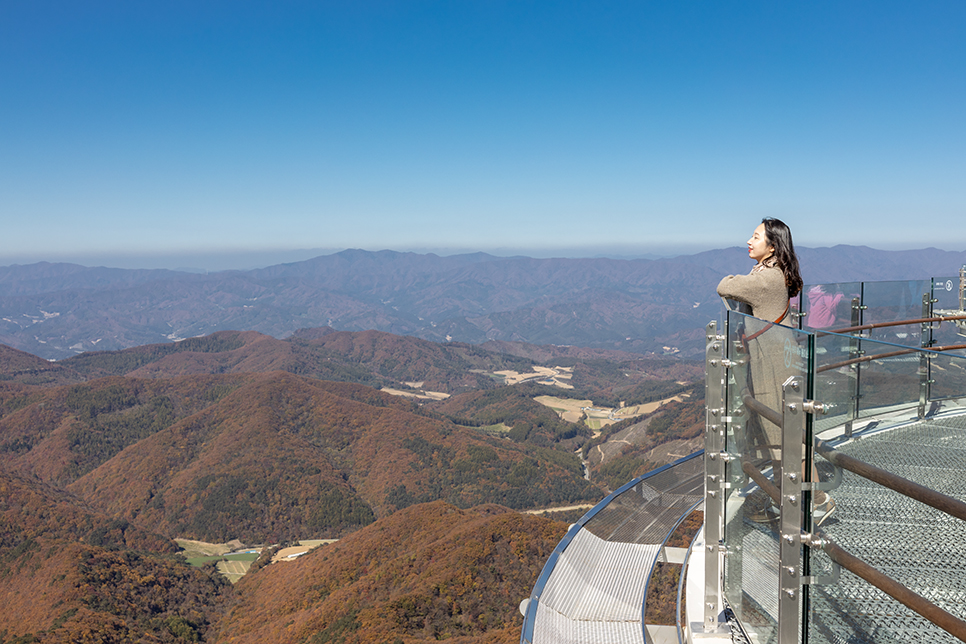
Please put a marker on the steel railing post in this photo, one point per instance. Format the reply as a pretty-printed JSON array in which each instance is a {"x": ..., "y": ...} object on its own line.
[
  {"x": 925, "y": 360},
  {"x": 792, "y": 505},
  {"x": 714, "y": 466},
  {"x": 855, "y": 350}
]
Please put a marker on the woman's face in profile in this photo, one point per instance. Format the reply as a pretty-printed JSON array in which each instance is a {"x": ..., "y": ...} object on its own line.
[{"x": 758, "y": 247}]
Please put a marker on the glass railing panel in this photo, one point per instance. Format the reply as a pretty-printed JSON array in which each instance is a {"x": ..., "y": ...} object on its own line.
[
  {"x": 946, "y": 299},
  {"x": 860, "y": 379},
  {"x": 763, "y": 356},
  {"x": 646, "y": 509},
  {"x": 947, "y": 382},
  {"x": 829, "y": 306},
  {"x": 890, "y": 378},
  {"x": 837, "y": 371},
  {"x": 895, "y": 302}
]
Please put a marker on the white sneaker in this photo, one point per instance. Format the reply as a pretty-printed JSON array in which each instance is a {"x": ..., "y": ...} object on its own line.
[{"x": 823, "y": 511}]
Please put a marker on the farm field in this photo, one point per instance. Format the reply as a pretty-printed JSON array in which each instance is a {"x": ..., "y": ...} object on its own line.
[
  {"x": 233, "y": 559},
  {"x": 574, "y": 411},
  {"x": 234, "y": 567},
  {"x": 294, "y": 552},
  {"x": 192, "y": 549},
  {"x": 419, "y": 394},
  {"x": 555, "y": 376}
]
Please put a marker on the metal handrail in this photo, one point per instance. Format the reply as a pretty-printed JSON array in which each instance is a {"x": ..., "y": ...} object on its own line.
[
  {"x": 911, "y": 489},
  {"x": 891, "y": 354},
  {"x": 908, "y": 598},
  {"x": 879, "y": 325},
  {"x": 759, "y": 408}
]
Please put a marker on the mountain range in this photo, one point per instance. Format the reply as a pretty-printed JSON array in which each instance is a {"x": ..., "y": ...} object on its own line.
[
  {"x": 106, "y": 456},
  {"x": 58, "y": 310}
]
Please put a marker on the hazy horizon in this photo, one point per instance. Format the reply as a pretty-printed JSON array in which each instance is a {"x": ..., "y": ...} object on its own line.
[
  {"x": 253, "y": 259},
  {"x": 187, "y": 129}
]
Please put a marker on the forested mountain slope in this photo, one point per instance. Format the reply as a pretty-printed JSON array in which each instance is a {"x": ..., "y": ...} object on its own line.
[
  {"x": 428, "y": 573},
  {"x": 265, "y": 457}
]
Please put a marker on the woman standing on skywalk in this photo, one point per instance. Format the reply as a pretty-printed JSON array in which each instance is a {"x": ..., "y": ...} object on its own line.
[{"x": 765, "y": 292}]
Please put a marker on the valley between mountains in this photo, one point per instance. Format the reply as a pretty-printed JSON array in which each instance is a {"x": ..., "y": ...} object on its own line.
[{"x": 107, "y": 457}]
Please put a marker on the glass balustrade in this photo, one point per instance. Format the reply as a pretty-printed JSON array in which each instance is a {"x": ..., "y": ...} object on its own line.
[
  {"x": 762, "y": 357},
  {"x": 907, "y": 420},
  {"x": 835, "y": 501},
  {"x": 889, "y": 400}
]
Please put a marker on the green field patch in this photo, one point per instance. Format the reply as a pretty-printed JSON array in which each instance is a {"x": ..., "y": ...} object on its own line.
[
  {"x": 243, "y": 556},
  {"x": 498, "y": 429}
]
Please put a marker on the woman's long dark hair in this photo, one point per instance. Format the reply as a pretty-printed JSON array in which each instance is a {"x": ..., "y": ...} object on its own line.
[{"x": 779, "y": 237}]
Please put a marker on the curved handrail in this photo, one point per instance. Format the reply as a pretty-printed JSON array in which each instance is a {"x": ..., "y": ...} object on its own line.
[
  {"x": 845, "y": 363},
  {"x": 526, "y": 634},
  {"x": 908, "y": 598},
  {"x": 911, "y": 489},
  {"x": 643, "y": 477},
  {"x": 647, "y": 584}
]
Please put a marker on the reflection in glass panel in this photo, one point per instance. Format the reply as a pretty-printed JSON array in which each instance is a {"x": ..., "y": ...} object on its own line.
[
  {"x": 829, "y": 306},
  {"x": 763, "y": 357},
  {"x": 887, "y": 302}
]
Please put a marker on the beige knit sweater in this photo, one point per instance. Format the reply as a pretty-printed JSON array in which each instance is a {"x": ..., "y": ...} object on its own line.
[{"x": 763, "y": 289}]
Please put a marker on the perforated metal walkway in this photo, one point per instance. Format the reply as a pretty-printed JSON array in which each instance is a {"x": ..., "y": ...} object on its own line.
[
  {"x": 594, "y": 585},
  {"x": 910, "y": 542}
]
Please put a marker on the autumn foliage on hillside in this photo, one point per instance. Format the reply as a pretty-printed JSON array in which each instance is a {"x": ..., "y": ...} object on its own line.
[
  {"x": 449, "y": 367},
  {"x": 71, "y": 574},
  {"x": 371, "y": 358},
  {"x": 106, "y": 457},
  {"x": 26, "y": 368},
  {"x": 426, "y": 573},
  {"x": 267, "y": 457}
]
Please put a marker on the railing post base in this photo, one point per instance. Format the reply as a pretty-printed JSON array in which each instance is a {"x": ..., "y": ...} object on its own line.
[{"x": 719, "y": 634}]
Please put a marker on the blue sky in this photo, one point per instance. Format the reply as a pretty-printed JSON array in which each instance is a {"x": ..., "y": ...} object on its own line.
[{"x": 165, "y": 129}]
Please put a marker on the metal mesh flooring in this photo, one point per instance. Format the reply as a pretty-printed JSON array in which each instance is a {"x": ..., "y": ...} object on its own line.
[{"x": 912, "y": 543}]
